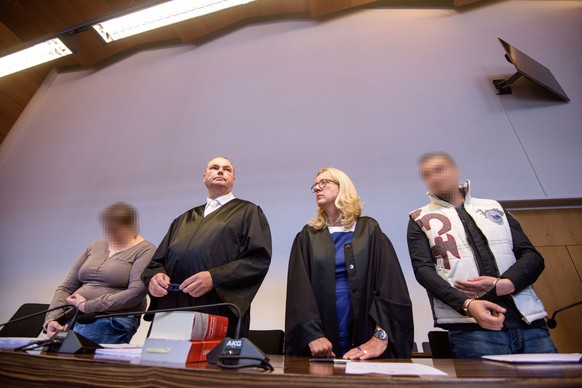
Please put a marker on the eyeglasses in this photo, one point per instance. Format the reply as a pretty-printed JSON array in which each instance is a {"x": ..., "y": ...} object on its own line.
[{"x": 321, "y": 184}]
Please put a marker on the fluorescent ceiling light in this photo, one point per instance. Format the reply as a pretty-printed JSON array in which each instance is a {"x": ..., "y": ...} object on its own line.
[
  {"x": 41, "y": 53},
  {"x": 160, "y": 15}
]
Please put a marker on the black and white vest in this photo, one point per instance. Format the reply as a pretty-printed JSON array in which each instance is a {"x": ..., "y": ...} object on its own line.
[{"x": 453, "y": 256}]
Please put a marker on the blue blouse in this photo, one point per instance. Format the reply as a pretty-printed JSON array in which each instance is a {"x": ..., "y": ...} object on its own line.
[{"x": 343, "y": 298}]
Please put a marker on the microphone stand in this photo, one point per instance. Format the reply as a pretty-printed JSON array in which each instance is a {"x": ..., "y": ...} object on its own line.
[
  {"x": 551, "y": 322},
  {"x": 50, "y": 341},
  {"x": 92, "y": 317},
  {"x": 64, "y": 306}
]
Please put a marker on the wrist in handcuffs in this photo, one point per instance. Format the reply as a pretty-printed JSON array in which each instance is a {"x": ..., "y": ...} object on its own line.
[
  {"x": 492, "y": 287},
  {"x": 466, "y": 305}
]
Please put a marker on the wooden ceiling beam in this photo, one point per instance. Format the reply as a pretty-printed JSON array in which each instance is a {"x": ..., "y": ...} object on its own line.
[
  {"x": 211, "y": 24},
  {"x": 318, "y": 8},
  {"x": 8, "y": 38}
]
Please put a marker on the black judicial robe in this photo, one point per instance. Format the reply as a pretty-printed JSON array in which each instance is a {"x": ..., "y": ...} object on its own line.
[
  {"x": 233, "y": 243},
  {"x": 379, "y": 292}
]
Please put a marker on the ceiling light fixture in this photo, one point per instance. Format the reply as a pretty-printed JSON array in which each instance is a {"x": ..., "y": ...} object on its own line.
[
  {"x": 33, "y": 56},
  {"x": 160, "y": 15}
]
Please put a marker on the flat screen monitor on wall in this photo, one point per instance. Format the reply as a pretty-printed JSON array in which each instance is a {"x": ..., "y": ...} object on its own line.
[{"x": 528, "y": 68}]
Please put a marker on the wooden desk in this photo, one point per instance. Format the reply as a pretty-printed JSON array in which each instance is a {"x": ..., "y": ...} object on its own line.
[{"x": 19, "y": 369}]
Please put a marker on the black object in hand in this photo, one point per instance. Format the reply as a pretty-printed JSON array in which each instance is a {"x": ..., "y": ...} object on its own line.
[{"x": 173, "y": 287}]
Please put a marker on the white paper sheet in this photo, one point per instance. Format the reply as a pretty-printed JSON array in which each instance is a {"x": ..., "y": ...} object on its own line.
[
  {"x": 121, "y": 346},
  {"x": 9, "y": 343},
  {"x": 119, "y": 352},
  {"x": 393, "y": 368},
  {"x": 537, "y": 358}
]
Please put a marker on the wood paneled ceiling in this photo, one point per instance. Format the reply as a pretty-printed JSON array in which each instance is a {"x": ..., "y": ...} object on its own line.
[{"x": 23, "y": 22}]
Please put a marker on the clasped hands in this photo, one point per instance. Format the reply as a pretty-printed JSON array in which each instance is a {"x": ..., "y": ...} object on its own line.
[
  {"x": 473, "y": 286},
  {"x": 196, "y": 285},
  {"x": 78, "y": 301},
  {"x": 374, "y": 347},
  {"x": 488, "y": 315}
]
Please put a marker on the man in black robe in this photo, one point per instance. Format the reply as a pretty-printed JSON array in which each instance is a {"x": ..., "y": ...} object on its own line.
[
  {"x": 218, "y": 252},
  {"x": 379, "y": 292}
]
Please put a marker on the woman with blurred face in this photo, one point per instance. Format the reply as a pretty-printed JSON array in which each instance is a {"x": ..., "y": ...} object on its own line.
[
  {"x": 346, "y": 294},
  {"x": 106, "y": 278}
]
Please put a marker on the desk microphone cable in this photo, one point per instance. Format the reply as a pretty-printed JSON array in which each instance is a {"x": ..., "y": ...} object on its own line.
[
  {"x": 263, "y": 363},
  {"x": 35, "y": 345}
]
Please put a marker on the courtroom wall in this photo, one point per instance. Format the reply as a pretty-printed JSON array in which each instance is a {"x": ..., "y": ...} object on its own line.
[{"x": 366, "y": 92}]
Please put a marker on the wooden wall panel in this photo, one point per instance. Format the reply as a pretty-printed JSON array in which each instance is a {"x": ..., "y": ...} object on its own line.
[
  {"x": 557, "y": 233},
  {"x": 558, "y": 286},
  {"x": 576, "y": 255},
  {"x": 551, "y": 227}
]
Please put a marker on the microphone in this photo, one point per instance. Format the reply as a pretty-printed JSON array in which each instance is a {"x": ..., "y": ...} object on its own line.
[
  {"x": 230, "y": 353},
  {"x": 551, "y": 322},
  {"x": 64, "y": 306},
  {"x": 64, "y": 341}
]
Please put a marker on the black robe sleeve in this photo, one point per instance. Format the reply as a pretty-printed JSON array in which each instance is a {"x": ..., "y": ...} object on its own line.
[
  {"x": 302, "y": 319},
  {"x": 239, "y": 280},
  {"x": 156, "y": 265},
  {"x": 390, "y": 307}
]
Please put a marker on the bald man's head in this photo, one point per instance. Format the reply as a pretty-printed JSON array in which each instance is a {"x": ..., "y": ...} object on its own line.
[{"x": 219, "y": 177}]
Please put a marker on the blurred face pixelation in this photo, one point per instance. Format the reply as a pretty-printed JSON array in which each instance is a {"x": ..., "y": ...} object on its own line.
[
  {"x": 219, "y": 175},
  {"x": 440, "y": 176},
  {"x": 328, "y": 194},
  {"x": 116, "y": 232}
]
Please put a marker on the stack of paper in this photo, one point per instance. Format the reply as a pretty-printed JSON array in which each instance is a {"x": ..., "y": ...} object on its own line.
[
  {"x": 537, "y": 358},
  {"x": 119, "y": 352}
]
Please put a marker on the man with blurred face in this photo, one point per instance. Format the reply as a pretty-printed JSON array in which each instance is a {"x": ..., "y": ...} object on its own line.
[
  {"x": 477, "y": 265},
  {"x": 217, "y": 252}
]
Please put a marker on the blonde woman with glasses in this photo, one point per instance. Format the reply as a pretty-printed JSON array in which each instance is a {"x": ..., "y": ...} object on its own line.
[{"x": 346, "y": 294}]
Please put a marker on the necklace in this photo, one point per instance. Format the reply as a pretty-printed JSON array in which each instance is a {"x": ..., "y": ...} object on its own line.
[{"x": 337, "y": 222}]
